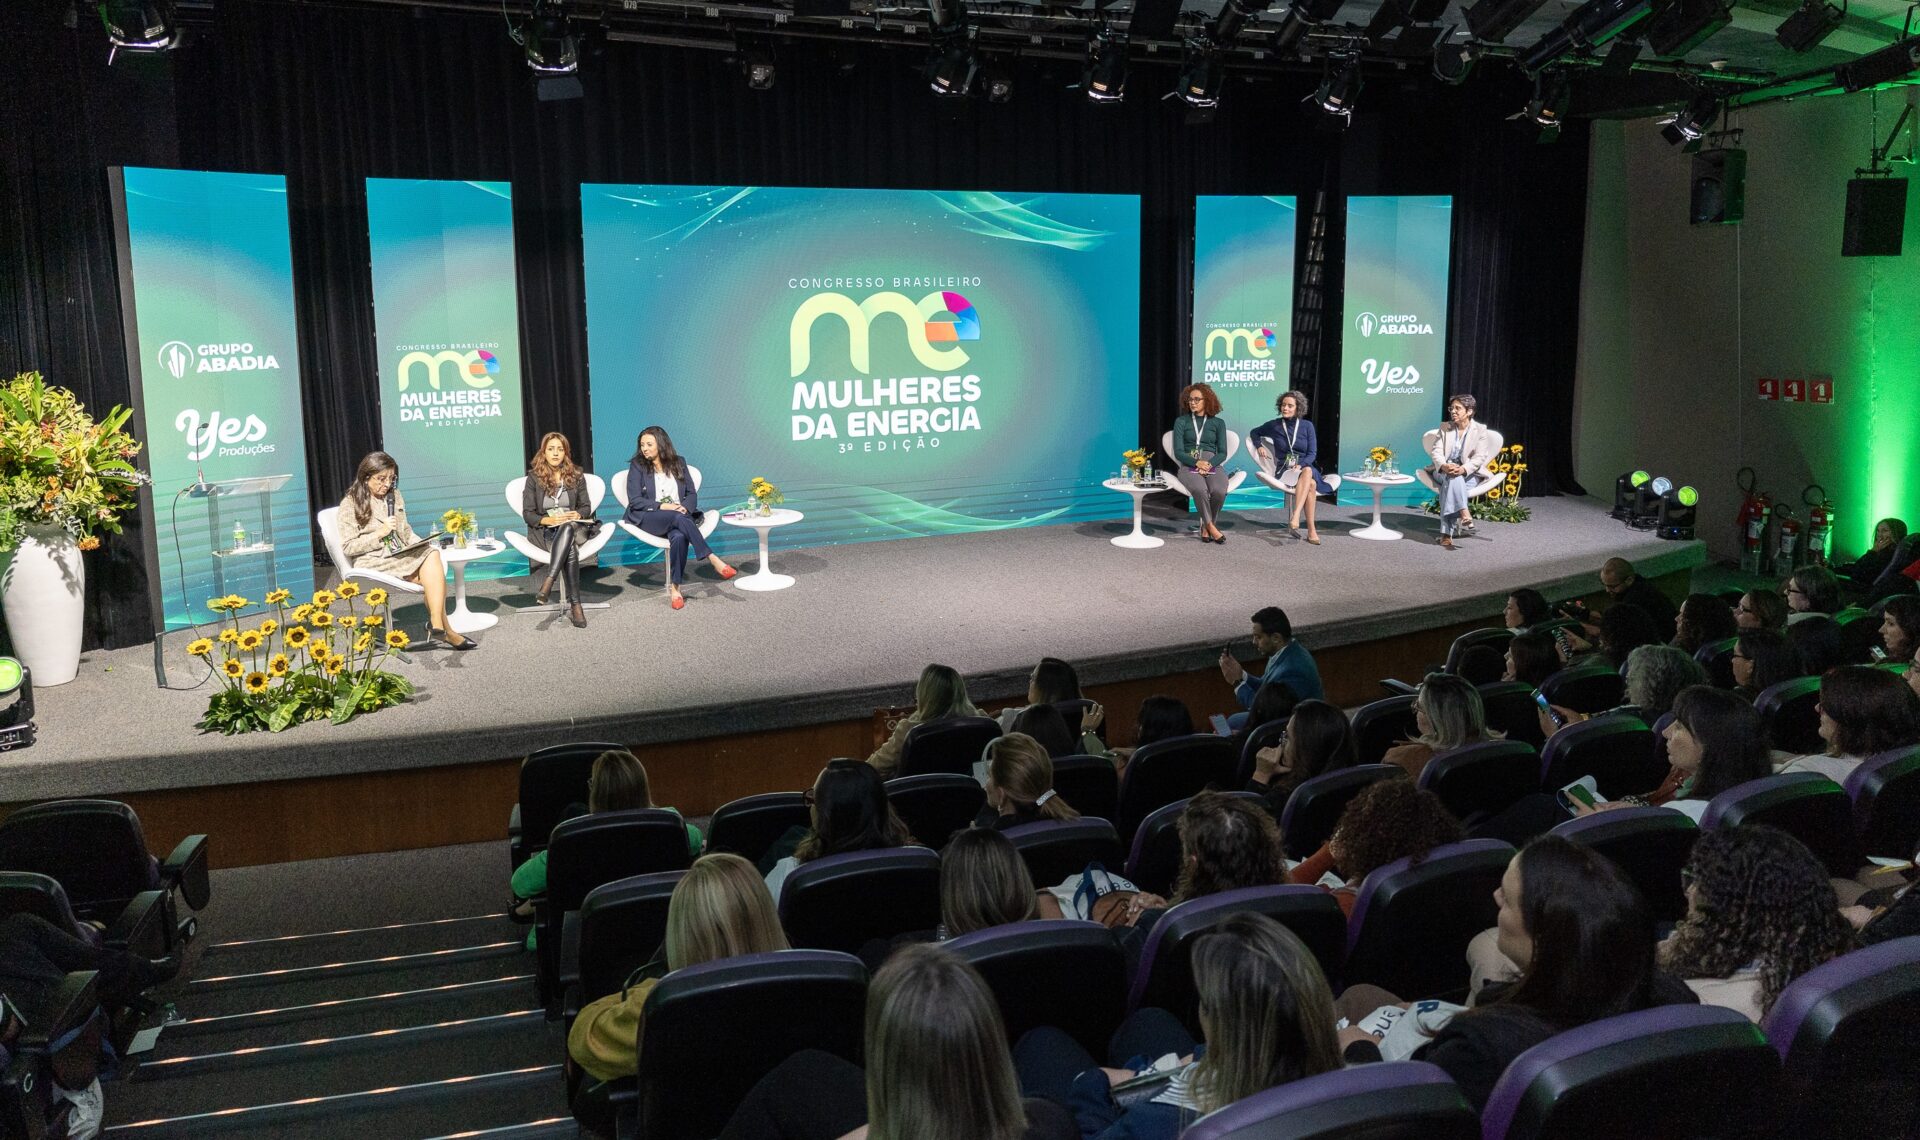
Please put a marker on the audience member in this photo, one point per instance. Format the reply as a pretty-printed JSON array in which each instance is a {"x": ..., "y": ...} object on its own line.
[
  {"x": 1624, "y": 587},
  {"x": 1287, "y": 660},
  {"x": 1480, "y": 665},
  {"x": 1052, "y": 682},
  {"x": 1020, "y": 785},
  {"x": 1447, "y": 714},
  {"x": 1226, "y": 843},
  {"x": 1390, "y": 819},
  {"x": 940, "y": 694},
  {"x": 1760, "y": 912},
  {"x": 1811, "y": 590},
  {"x": 983, "y": 883},
  {"x": 1703, "y": 619},
  {"x": 1047, "y": 725},
  {"x": 1160, "y": 718},
  {"x": 1266, "y": 1017},
  {"x": 1532, "y": 657},
  {"x": 1820, "y": 644},
  {"x": 1274, "y": 702},
  {"x": 1623, "y": 629},
  {"x": 1864, "y": 571},
  {"x": 1913, "y": 673},
  {"x": 1761, "y": 609},
  {"x": 1526, "y": 609},
  {"x": 1888, "y": 910},
  {"x": 1581, "y": 942},
  {"x": 848, "y": 803},
  {"x": 1900, "y": 628},
  {"x": 1863, "y": 712},
  {"x": 1319, "y": 740},
  {"x": 1654, "y": 674},
  {"x": 1762, "y": 658},
  {"x": 937, "y": 1069}
]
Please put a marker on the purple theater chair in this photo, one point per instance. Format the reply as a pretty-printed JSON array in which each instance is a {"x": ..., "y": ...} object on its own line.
[
  {"x": 1378, "y": 725},
  {"x": 1089, "y": 784},
  {"x": 1848, "y": 1033},
  {"x": 1616, "y": 749},
  {"x": 1169, "y": 770},
  {"x": 1510, "y": 711},
  {"x": 1586, "y": 688},
  {"x": 952, "y": 744},
  {"x": 1650, "y": 846},
  {"x": 841, "y": 902},
  {"x": 1261, "y": 736},
  {"x": 551, "y": 780},
  {"x": 1788, "y": 709},
  {"x": 619, "y": 928},
  {"x": 1164, "y": 977},
  {"x": 1399, "y": 1100},
  {"x": 1885, "y": 791},
  {"x": 1411, "y": 925},
  {"x": 1314, "y": 808},
  {"x": 937, "y": 804},
  {"x": 750, "y": 825},
  {"x": 588, "y": 851},
  {"x": 1716, "y": 657},
  {"x": 98, "y": 853},
  {"x": 1154, "y": 862},
  {"x": 1055, "y": 849},
  {"x": 1676, "y": 1072},
  {"x": 1070, "y": 975},
  {"x": 1479, "y": 780},
  {"x": 1805, "y": 805}
]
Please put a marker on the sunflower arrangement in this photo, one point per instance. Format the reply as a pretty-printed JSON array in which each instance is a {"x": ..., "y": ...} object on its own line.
[
  {"x": 765, "y": 495},
  {"x": 1135, "y": 460},
  {"x": 326, "y": 666},
  {"x": 1502, "y": 503},
  {"x": 459, "y": 523}
]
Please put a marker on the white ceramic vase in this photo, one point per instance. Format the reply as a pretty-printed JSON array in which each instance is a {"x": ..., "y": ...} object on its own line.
[{"x": 43, "y": 588}]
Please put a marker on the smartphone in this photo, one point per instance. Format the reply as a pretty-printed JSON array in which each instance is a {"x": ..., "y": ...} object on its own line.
[
  {"x": 1878, "y": 653},
  {"x": 1579, "y": 794},
  {"x": 1540, "y": 698},
  {"x": 1560, "y": 639},
  {"x": 1220, "y": 725}
]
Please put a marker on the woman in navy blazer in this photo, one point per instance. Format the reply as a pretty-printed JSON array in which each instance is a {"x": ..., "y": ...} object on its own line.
[
  {"x": 662, "y": 501},
  {"x": 1289, "y": 442}
]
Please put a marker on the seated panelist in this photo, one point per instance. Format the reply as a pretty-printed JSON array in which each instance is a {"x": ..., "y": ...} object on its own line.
[
  {"x": 373, "y": 527},
  {"x": 1288, "y": 444},
  {"x": 1461, "y": 451},
  {"x": 662, "y": 500},
  {"x": 559, "y": 514}
]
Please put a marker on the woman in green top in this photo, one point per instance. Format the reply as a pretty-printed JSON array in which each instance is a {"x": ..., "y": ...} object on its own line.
[
  {"x": 1199, "y": 446},
  {"x": 618, "y": 782}
]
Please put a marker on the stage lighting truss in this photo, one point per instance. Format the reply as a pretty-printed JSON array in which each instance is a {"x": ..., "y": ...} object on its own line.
[
  {"x": 140, "y": 25},
  {"x": 1691, "y": 123},
  {"x": 551, "y": 42},
  {"x": 16, "y": 719},
  {"x": 951, "y": 72},
  {"x": 1105, "y": 79},
  {"x": 1591, "y": 26},
  {"x": 1453, "y": 62},
  {"x": 1683, "y": 25},
  {"x": 1547, "y": 110},
  {"x": 1302, "y": 16},
  {"x": 1336, "y": 93}
]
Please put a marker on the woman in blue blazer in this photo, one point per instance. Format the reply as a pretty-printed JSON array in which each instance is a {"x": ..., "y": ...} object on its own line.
[
  {"x": 662, "y": 501},
  {"x": 1289, "y": 442}
]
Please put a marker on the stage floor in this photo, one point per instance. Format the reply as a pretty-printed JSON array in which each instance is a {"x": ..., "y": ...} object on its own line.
[{"x": 850, "y": 636}]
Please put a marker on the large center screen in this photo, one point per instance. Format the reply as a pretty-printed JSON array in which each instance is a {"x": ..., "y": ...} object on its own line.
[{"x": 897, "y": 362}]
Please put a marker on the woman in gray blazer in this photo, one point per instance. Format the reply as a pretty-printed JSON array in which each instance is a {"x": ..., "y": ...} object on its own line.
[{"x": 1461, "y": 451}]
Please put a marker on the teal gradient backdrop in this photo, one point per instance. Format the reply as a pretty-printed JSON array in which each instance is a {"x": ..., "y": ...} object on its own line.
[
  {"x": 692, "y": 299},
  {"x": 1393, "y": 359},
  {"x": 217, "y": 382},
  {"x": 446, "y": 316},
  {"x": 1243, "y": 254}
]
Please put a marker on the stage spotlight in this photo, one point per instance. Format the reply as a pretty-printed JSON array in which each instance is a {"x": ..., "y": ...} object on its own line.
[
  {"x": 1678, "y": 509},
  {"x": 1105, "y": 78},
  {"x": 1811, "y": 23},
  {"x": 1895, "y": 61},
  {"x": 1646, "y": 502},
  {"x": 1200, "y": 75},
  {"x": 1492, "y": 21},
  {"x": 999, "y": 86},
  {"x": 1692, "y": 122},
  {"x": 551, "y": 43},
  {"x": 1591, "y": 25},
  {"x": 1338, "y": 90},
  {"x": 758, "y": 66},
  {"x": 954, "y": 65},
  {"x": 1301, "y": 17},
  {"x": 1452, "y": 63},
  {"x": 1684, "y": 25},
  {"x": 1233, "y": 16},
  {"x": 140, "y": 25},
  {"x": 1548, "y": 107},
  {"x": 1624, "y": 489},
  {"x": 16, "y": 720}
]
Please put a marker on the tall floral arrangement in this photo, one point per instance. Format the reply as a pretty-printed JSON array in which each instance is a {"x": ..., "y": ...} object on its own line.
[
  {"x": 324, "y": 665},
  {"x": 61, "y": 467}
]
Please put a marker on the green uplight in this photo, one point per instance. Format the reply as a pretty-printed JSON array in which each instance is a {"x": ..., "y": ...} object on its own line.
[
  {"x": 1639, "y": 478},
  {"x": 1689, "y": 497}
]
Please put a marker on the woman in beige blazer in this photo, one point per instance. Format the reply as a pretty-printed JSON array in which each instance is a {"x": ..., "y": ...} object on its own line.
[
  {"x": 373, "y": 524},
  {"x": 1461, "y": 450}
]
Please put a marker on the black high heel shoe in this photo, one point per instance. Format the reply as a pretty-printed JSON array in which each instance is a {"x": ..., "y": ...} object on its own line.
[{"x": 440, "y": 635}]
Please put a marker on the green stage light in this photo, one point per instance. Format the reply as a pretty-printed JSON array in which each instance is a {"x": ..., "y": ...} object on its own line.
[
  {"x": 1677, "y": 513},
  {"x": 16, "y": 721},
  {"x": 1625, "y": 488}
]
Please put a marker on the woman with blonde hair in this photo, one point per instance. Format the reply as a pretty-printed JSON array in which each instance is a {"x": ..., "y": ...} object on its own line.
[
  {"x": 1020, "y": 785},
  {"x": 1448, "y": 714},
  {"x": 937, "y": 1069},
  {"x": 940, "y": 694},
  {"x": 559, "y": 517}
]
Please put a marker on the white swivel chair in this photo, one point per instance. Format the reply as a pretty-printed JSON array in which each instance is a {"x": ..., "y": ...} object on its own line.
[
  {"x": 329, "y": 523},
  {"x": 1284, "y": 480},
  {"x": 1482, "y": 483},
  {"x": 596, "y": 491},
  {"x": 1172, "y": 478},
  {"x": 709, "y": 523}
]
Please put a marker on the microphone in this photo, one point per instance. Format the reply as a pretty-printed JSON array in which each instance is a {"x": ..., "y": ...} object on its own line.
[{"x": 199, "y": 488}]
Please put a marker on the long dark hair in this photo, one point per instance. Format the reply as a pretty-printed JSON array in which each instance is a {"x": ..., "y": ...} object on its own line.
[
  {"x": 1733, "y": 739},
  {"x": 549, "y": 476},
  {"x": 371, "y": 464},
  {"x": 1873, "y": 711},
  {"x": 1774, "y": 657},
  {"x": 1703, "y": 618},
  {"x": 1821, "y": 645},
  {"x": 1056, "y": 680},
  {"x": 1162, "y": 718},
  {"x": 1534, "y": 657},
  {"x": 1319, "y": 740},
  {"x": 851, "y": 813},
  {"x": 669, "y": 459},
  {"x": 1532, "y": 605},
  {"x": 1045, "y": 724}
]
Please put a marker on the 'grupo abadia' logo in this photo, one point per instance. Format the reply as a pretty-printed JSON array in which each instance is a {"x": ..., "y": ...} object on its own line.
[
  {"x": 1391, "y": 324},
  {"x": 178, "y": 358},
  {"x": 927, "y": 330}
]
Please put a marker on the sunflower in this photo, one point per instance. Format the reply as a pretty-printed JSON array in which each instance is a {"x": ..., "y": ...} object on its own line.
[
  {"x": 269, "y": 627},
  {"x": 256, "y": 682},
  {"x": 201, "y": 647},
  {"x": 363, "y": 643},
  {"x": 236, "y": 602},
  {"x": 396, "y": 639},
  {"x": 278, "y": 665},
  {"x": 250, "y": 640},
  {"x": 321, "y": 619},
  {"x": 275, "y": 597},
  {"x": 302, "y": 612},
  {"x": 1494, "y": 494},
  {"x": 322, "y": 599},
  {"x": 334, "y": 665},
  {"x": 295, "y": 637},
  {"x": 349, "y": 589},
  {"x": 372, "y": 620},
  {"x": 232, "y": 667},
  {"x": 229, "y": 636},
  {"x": 376, "y": 597},
  {"x": 348, "y": 621},
  {"x": 1516, "y": 449},
  {"x": 218, "y": 605}
]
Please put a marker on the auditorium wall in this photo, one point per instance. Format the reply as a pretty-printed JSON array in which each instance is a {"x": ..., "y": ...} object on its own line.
[{"x": 1678, "y": 323}]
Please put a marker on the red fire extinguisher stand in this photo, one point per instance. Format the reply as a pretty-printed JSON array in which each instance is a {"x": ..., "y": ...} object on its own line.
[{"x": 1751, "y": 520}]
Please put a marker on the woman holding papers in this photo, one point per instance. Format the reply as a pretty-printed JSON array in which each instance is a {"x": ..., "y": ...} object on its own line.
[{"x": 374, "y": 535}]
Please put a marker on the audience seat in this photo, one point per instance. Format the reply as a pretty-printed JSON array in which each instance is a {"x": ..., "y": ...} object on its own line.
[
  {"x": 1859, "y": 633},
  {"x": 1169, "y": 770},
  {"x": 953, "y": 744},
  {"x": 840, "y": 902},
  {"x": 1650, "y": 846},
  {"x": 1070, "y": 975},
  {"x": 1153, "y": 862},
  {"x": 139, "y": 927},
  {"x": 1805, "y": 805},
  {"x": 1053, "y": 850},
  {"x": 712, "y": 1031},
  {"x": 1164, "y": 978},
  {"x": 28, "y": 1108},
  {"x": 1398, "y": 1100},
  {"x": 1616, "y": 749},
  {"x": 936, "y": 805},
  {"x": 98, "y": 853},
  {"x": 1411, "y": 925},
  {"x": 1261, "y": 736},
  {"x": 619, "y": 928},
  {"x": 1788, "y": 709},
  {"x": 590, "y": 850},
  {"x": 1074, "y": 712},
  {"x": 1481, "y": 779},
  {"x": 1592, "y": 688},
  {"x": 1493, "y": 637},
  {"x": 1675, "y": 1072},
  {"x": 552, "y": 779},
  {"x": 1848, "y": 1032},
  {"x": 1716, "y": 657},
  {"x": 1885, "y": 791},
  {"x": 1381, "y": 724},
  {"x": 749, "y": 826},
  {"x": 1089, "y": 784},
  {"x": 1511, "y": 712},
  {"x": 1313, "y": 810}
]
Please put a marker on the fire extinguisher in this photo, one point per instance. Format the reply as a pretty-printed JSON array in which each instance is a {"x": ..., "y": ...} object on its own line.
[
  {"x": 1750, "y": 521},
  {"x": 1787, "y": 543},
  {"x": 1819, "y": 524}
]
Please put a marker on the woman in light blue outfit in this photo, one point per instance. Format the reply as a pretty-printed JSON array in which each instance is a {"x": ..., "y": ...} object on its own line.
[
  {"x": 1462, "y": 448},
  {"x": 1199, "y": 446}
]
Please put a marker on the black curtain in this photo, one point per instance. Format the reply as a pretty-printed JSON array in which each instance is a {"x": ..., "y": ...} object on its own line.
[{"x": 329, "y": 97}]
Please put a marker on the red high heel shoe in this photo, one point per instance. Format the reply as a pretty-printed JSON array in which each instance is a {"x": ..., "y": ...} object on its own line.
[
  {"x": 728, "y": 572},
  {"x": 679, "y": 601}
]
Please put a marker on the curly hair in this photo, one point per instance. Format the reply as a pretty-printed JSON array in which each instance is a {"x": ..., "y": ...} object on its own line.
[
  {"x": 1759, "y": 896},
  {"x": 1210, "y": 403},
  {"x": 1392, "y": 819},
  {"x": 1226, "y": 843}
]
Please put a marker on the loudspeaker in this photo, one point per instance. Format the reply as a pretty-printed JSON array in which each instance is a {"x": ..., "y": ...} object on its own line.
[
  {"x": 1876, "y": 217},
  {"x": 1719, "y": 187}
]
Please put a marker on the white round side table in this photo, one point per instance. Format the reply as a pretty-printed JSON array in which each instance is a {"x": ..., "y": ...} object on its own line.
[
  {"x": 1138, "y": 538},
  {"x": 1377, "y": 530},
  {"x": 763, "y": 579}
]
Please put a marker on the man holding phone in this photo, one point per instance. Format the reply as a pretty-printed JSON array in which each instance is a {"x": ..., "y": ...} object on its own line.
[{"x": 1287, "y": 660}]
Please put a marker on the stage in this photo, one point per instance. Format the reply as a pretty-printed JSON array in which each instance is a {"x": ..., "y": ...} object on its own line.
[{"x": 850, "y": 636}]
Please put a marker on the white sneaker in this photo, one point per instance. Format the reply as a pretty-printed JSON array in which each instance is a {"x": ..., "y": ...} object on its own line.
[{"x": 89, "y": 1107}]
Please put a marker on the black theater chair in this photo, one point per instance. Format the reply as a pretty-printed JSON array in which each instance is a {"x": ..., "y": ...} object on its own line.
[
  {"x": 1492, "y": 637},
  {"x": 28, "y": 1109},
  {"x": 713, "y": 1030},
  {"x": 1411, "y": 924},
  {"x": 1263, "y": 736},
  {"x": 1479, "y": 780},
  {"x": 1511, "y": 712},
  {"x": 1617, "y": 749},
  {"x": 1649, "y": 845},
  {"x": 1164, "y": 978},
  {"x": 1398, "y": 1100},
  {"x": 551, "y": 780},
  {"x": 1805, "y": 805},
  {"x": 1169, "y": 770},
  {"x": 953, "y": 744},
  {"x": 841, "y": 902},
  {"x": 1848, "y": 1032},
  {"x": 1056, "y": 849},
  {"x": 1377, "y": 726},
  {"x": 1313, "y": 810},
  {"x": 1716, "y": 657},
  {"x": 1070, "y": 975},
  {"x": 1089, "y": 784},
  {"x": 936, "y": 805},
  {"x": 1793, "y": 724},
  {"x": 749, "y": 826},
  {"x": 97, "y": 852},
  {"x": 1586, "y": 688},
  {"x": 1153, "y": 862},
  {"x": 1885, "y": 791},
  {"x": 1074, "y": 713},
  {"x": 140, "y": 927},
  {"x": 1859, "y": 633},
  {"x": 620, "y": 927},
  {"x": 591, "y": 850}
]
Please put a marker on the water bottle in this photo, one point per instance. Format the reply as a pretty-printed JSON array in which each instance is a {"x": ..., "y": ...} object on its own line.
[{"x": 239, "y": 535}]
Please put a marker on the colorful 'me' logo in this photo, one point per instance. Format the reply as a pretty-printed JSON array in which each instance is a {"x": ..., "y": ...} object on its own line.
[
  {"x": 477, "y": 368},
  {"x": 1257, "y": 342},
  {"x": 924, "y": 331}
]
